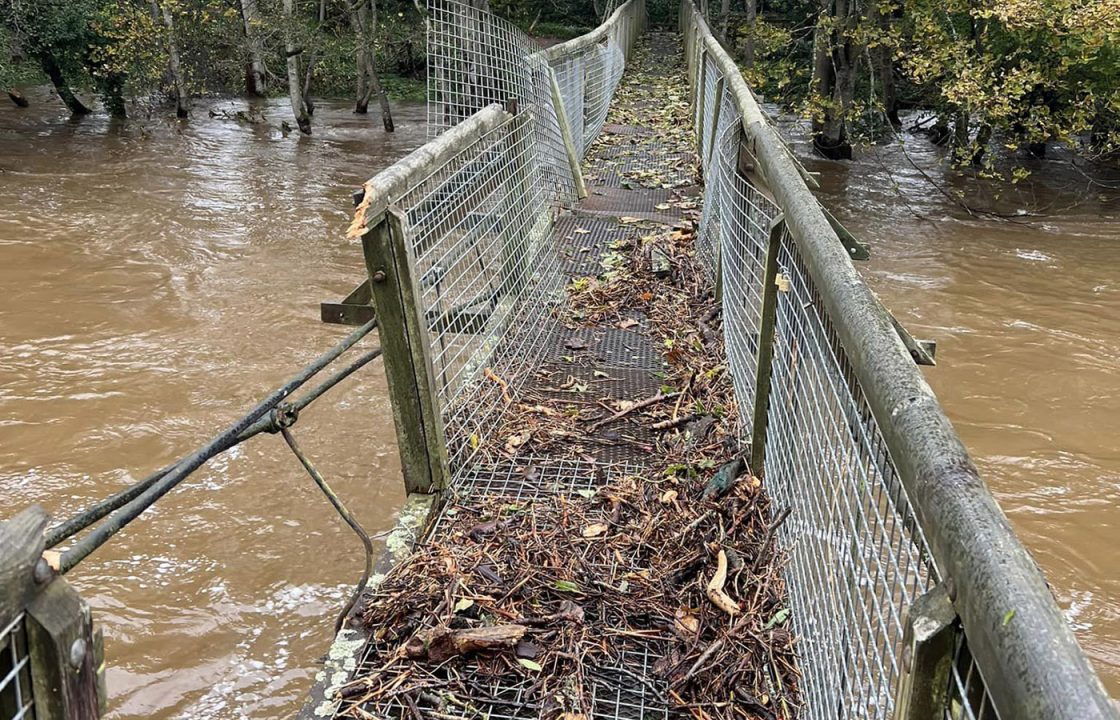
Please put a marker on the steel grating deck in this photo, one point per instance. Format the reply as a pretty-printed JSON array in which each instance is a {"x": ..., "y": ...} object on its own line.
[{"x": 639, "y": 179}]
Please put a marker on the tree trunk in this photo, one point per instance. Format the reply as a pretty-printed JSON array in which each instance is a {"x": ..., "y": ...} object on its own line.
[
  {"x": 752, "y": 19},
  {"x": 50, "y": 67},
  {"x": 256, "y": 76},
  {"x": 17, "y": 97},
  {"x": 111, "y": 89},
  {"x": 295, "y": 93},
  {"x": 882, "y": 59},
  {"x": 724, "y": 20},
  {"x": 313, "y": 58},
  {"x": 833, "y": 79},
  {"x": 364, "y": 20},
  {"x": 182, "y": 94}
]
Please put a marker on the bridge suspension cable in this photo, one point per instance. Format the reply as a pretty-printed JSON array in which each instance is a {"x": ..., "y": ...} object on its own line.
[{"x": 273, "y": 414}]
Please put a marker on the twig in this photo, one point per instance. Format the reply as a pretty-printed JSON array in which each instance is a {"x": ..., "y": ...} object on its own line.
[{"x": 659, "y": 397}]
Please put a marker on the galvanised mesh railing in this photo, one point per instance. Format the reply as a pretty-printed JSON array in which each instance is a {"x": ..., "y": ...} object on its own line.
[
  {"x": 511, "y": 121},
  {"x": 885, "y": 504},
  {"x": 16, "y": 700}
]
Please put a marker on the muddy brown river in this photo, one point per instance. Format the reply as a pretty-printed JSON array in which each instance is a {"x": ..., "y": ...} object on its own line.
[{"x": 159, "y": 278}]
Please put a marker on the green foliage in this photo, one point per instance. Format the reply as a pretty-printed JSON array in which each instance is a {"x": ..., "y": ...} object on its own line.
[{"x": 1020, "y": 73}]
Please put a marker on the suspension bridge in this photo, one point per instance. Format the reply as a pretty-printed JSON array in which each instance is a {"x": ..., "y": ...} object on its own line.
[{"x": 605, "y": 258}]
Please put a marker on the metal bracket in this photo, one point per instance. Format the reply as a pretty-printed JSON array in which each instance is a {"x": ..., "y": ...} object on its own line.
[
  {"x": 355, "y": 309},
  {"x": 922, "y": 351},
  {"x": 856, "y": 250}
]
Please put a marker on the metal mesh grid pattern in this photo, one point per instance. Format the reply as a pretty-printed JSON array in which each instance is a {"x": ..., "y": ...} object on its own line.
[
  {"x": 16, "y": 700},
  {"x": 707, "y": 110},
  {"x": 479, "y": 230},
  {"x": 623, "y": 685},
  {"x": 856, "y": 555},
  {"x": 968, "y": 695},
  {"x": 475, "y": 60}
]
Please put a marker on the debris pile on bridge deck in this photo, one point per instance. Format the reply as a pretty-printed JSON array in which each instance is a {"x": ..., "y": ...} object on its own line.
[{"x": 604, "y": 554}]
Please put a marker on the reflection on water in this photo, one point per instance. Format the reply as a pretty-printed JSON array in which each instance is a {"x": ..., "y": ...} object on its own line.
[
  {"x": 1026, "y": 315},
  {"x": 158, "y": 278}
]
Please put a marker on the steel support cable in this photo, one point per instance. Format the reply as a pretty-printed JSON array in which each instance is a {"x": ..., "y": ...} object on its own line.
[
  {"x": 342, "y": 511},
  {"x": 132, "y": 508},
  {"x": 95, "y": 512}
]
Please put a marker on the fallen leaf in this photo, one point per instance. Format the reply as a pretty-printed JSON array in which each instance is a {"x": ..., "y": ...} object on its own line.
[
  {"x": 668, "y": 497},
  {"x": 628, "y": 323},
  {"x": 529, "y": 664},
  {"x": 582, "y": 231},
  {"x": 779, "y": 617},
  {"x": 628, "y": 220},
  {"x": 463, "y": 604},
  {"x": 600, "y": 374},
  {"x": 575, "y": 343},
  {"x": 594, "y": 530},
  {"x": 685, "y": 623},
  {"x": 566, "y": 586}
]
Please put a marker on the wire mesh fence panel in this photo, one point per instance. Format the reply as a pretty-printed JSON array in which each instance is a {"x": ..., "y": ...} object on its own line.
[
  {"x": 569, "y": 76},
  {"x": 475, "y": 60},
  {"x": 704, "y": 129},
  {"x": 478, "y": 228},
  {"x": 15, "y": 672},
  {"x": 718, "y": 171},
  {"x": 856, "y": 556},
  {"x": 968, "y": 694},
  {"x": 603, "y": 64}
]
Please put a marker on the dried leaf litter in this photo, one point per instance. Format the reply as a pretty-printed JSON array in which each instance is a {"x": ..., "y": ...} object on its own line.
[{"x": 529, "y": 608}]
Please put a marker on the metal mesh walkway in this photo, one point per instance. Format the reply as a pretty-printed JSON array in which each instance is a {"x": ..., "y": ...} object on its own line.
[{"x": 641, "y": 178}]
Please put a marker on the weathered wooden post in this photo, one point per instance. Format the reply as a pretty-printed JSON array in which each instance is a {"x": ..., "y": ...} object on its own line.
[
  {"x": 566, "y": 134},
  {"x": 700, "y": 91},
  {"x": 46, "y": 631},
  {"x": 765, "y": 357},
  {"x": 718, "y": 100},
  {"x": 928, "y": 643},
  {"x": 403, "y": 333}
]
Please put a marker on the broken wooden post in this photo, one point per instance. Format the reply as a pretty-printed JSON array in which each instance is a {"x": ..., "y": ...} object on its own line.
[
  {"x": 403, "y": 333},
  {"x": 929, "y": 641},
  {"x": 765, "y": 346},
  {"x": 63, "y": 672},
  {"x": 566, "y": 134}
]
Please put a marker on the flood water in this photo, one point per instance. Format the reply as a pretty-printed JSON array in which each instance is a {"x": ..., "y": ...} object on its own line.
[{"x": 159, "y": 278}]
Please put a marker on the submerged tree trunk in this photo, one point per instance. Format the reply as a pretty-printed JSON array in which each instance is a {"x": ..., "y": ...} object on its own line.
[
  {"x": 73, "y": 104},
  {"x": 256, "y": 76},
  {"x": 309, "y": 71},
  {"x": 182, "y": 94},
  {"x": 882, "y": 60},
  {"x": 364, "y": 20},
  {"x": 295, "y": 93},
  {"x": 111, "y": 89},
  {"x": 17, "y": 97},
  {"x": 833, "y": 82}
]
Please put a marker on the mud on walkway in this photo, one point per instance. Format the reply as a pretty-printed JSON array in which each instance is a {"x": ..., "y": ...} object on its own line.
[{"x": 603, "y": 552}]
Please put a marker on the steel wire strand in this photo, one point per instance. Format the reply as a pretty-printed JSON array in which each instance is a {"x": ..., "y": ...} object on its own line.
[
  {"x": 95, "y": 512},
  {"x": 133, "y": 508},
  {"x": 367, "y": 543}
]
